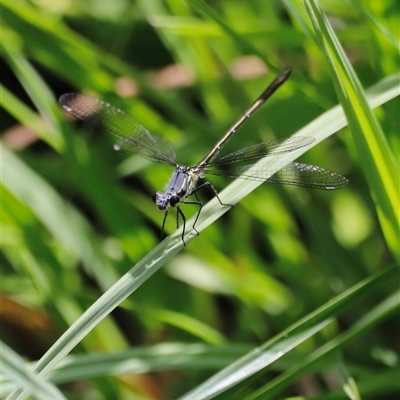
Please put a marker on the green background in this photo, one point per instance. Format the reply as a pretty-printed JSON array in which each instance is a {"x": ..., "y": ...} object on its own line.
[{"x": 76, "y": 215}]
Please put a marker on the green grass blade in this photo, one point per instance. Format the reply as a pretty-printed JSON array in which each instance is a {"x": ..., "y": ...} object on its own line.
[
  {"x": 36, "y": 88},
  {"x": 349, "y": 385},
  {"x": 253, "y": 362},
  {"x": 103, "y": 306},
  {"x": 54, "y": 212},
  {"x": 140, "y": 360},
  {"x": 15, "y": 368},
  {"x": 373, "y": 150},
  {"x": 382, "y": 311},
  {"x": 386, "y": 33},
  {"x": 206, "y": 10},
  {"x": 278, "y": 346},
  {"x": 171, "y": 356},
  {"x": 25, "y": 115}
]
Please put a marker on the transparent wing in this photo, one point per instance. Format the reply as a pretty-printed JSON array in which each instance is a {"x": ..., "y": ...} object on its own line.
[
  {"x": 261, "y": 150},
  {"x": 309, "y": 176},
  {"x": 280, "y": 172},
  {"x": 132, "y": 137},
  {"x": 276, "y": 172}
]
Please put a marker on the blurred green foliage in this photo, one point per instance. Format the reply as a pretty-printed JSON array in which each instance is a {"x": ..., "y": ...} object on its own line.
[{"x": 76, "y": 215}]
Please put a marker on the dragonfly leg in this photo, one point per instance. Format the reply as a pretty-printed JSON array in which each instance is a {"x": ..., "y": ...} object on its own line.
[
  {"x": 198, "y": 203},
  {"x": 180, "y": 212},
  {"x": 163, "y": 224},
  {"x": 209, "y": 185}
]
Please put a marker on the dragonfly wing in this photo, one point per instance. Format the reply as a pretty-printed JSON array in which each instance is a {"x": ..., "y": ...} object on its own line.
[
  {"x": 282, "y": 172},
  {"x": 131, "y": 136},
  {"x": 153, "y": 148},
  {"x": 261, "y": 150}
]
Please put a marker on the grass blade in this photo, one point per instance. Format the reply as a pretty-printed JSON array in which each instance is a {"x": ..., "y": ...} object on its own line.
[
  {"x": 374, "y": 152},
  {"x": 278, "y": 346},
  {"x": 14, "y": 367},
  {"x": 311, "y": 363}
]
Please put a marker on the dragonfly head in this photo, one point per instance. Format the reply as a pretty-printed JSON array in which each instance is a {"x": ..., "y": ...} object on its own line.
[{"x": 165, "y": 201}]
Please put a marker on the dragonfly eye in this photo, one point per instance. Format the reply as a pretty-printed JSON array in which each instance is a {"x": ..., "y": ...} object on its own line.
[
  {"x": 174, "y": 200},
  {"x": 154, "y": 197}
]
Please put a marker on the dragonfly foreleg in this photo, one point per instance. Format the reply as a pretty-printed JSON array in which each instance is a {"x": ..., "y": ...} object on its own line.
[{"x": 163, "y": 225}]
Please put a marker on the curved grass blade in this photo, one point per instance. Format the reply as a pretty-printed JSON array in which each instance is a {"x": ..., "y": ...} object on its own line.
[
  {"x": 314, "y": 361},
  {"x": 14, "y": 367},
  {"x": 374, "y": 152},
  {"x": 275, "y": 348}
]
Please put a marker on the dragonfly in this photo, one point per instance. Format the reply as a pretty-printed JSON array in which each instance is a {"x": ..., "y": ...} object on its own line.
[{"x": 248, "y": 163}]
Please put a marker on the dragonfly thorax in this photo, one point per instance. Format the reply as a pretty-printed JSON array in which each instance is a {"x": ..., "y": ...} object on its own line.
[{"x": 181, "y": 185}]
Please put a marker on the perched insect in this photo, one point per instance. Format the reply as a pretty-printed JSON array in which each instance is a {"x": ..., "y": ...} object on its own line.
[{"x": 134, "y": 138}]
